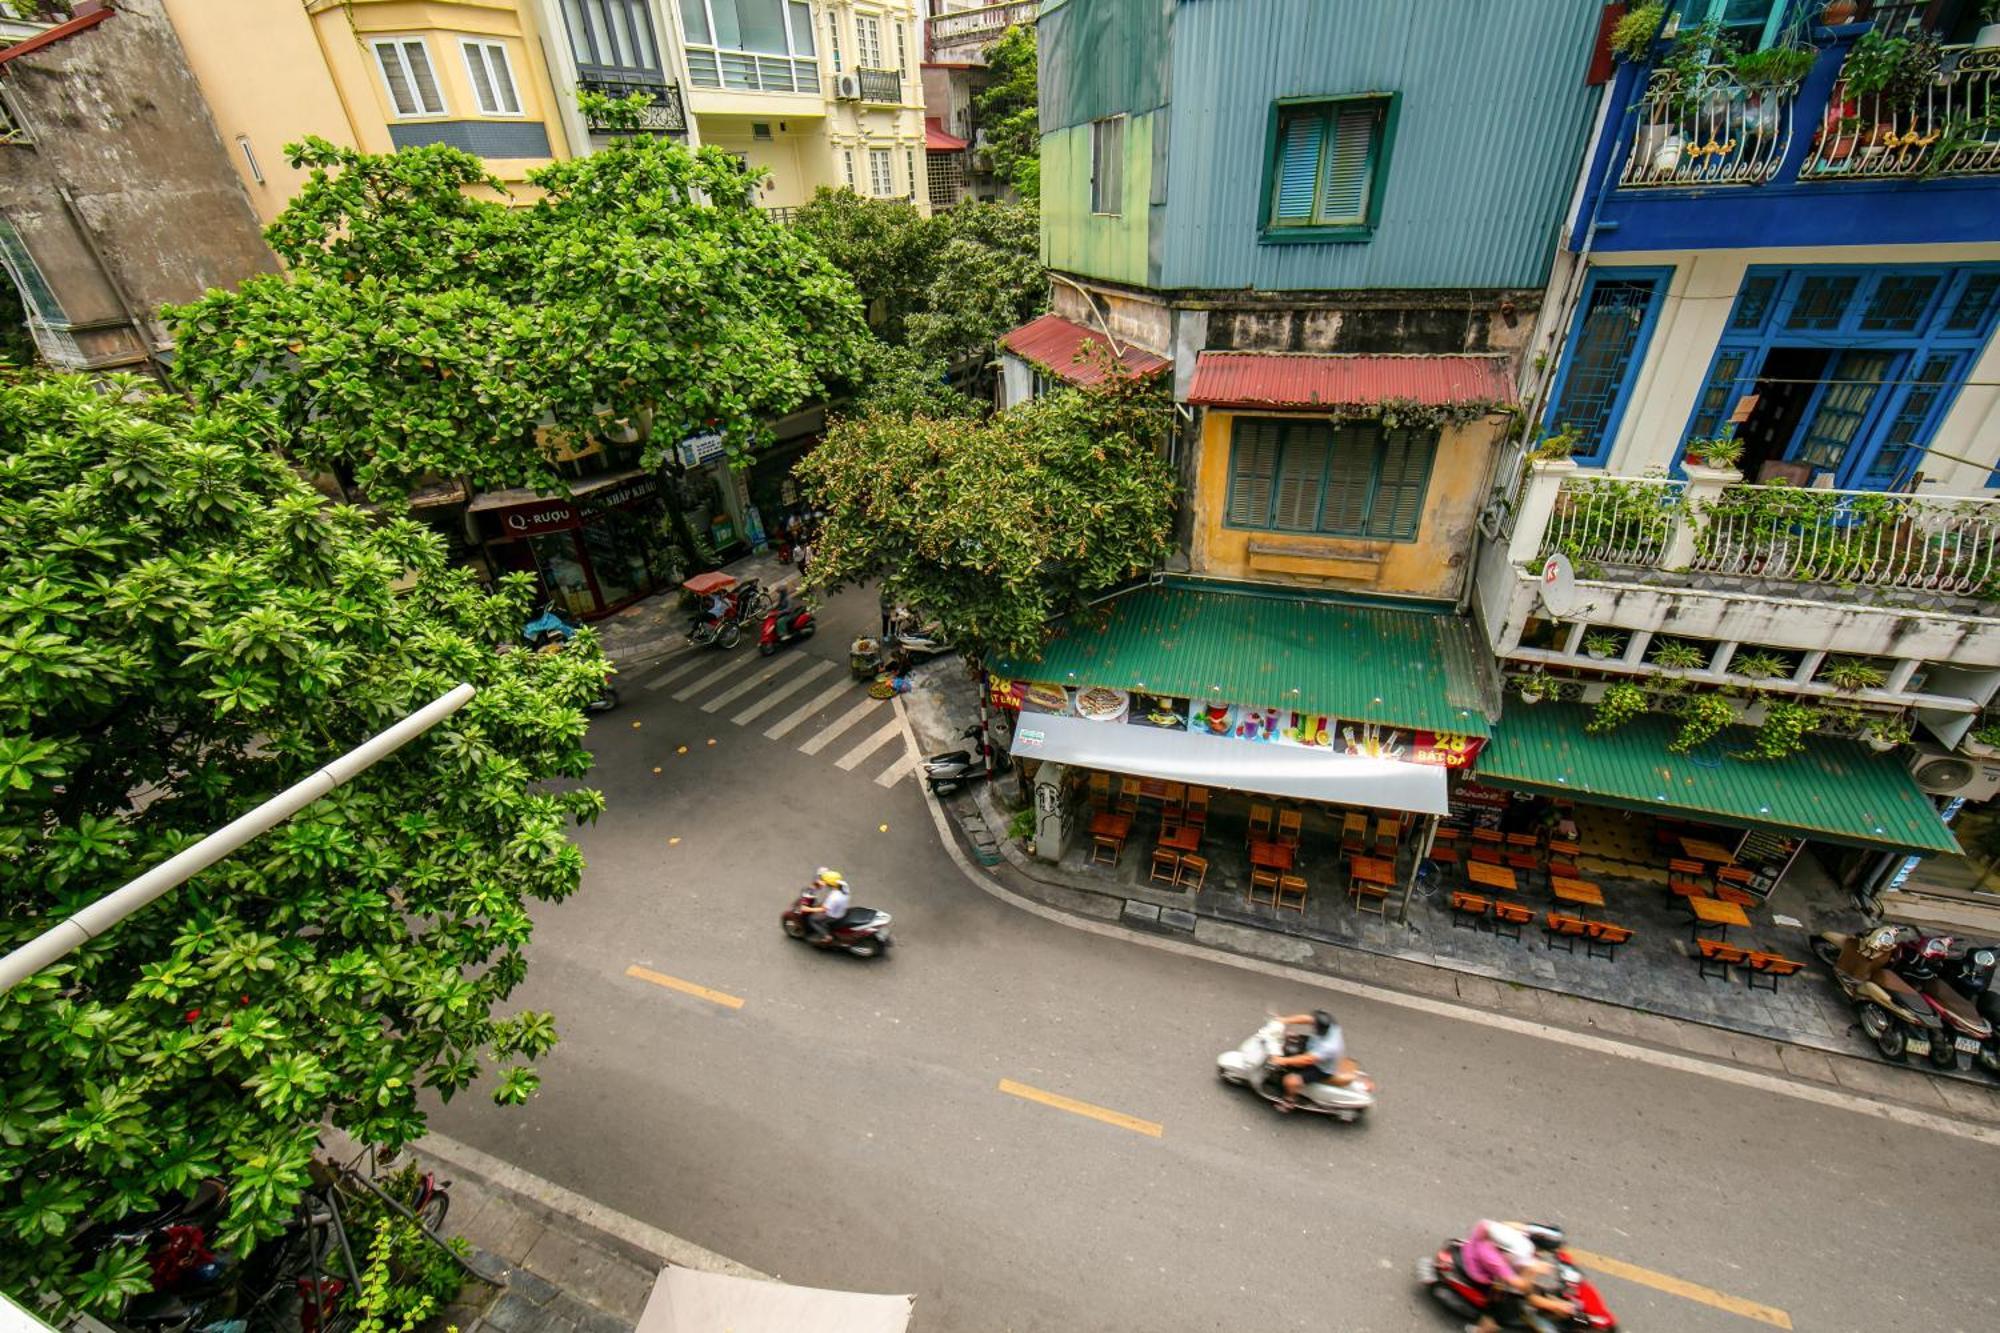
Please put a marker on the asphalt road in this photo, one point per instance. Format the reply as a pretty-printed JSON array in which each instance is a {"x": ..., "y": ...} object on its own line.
[{"x": 845, "y": 1125}]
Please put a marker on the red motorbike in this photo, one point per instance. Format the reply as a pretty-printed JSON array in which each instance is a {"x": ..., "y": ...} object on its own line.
[
  {"x": 1445, "y": 1277},
  {"x": 863, "y": 932},
  {"x": 785, "y": 625}
]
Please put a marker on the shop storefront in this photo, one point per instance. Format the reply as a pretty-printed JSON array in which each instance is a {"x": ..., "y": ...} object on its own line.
[{"x": 593, "y": 551}]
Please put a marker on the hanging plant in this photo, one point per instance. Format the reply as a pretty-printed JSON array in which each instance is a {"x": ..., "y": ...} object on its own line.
[
  {"x": 1774, "y": 67},
  {"x": 1786, "y": 725},
  {"x": 1702, "y": 716},
  {"x": 1885, "y": 732},
  {"x": 1539, "y": 685},
  {"x": 1553, "y": 448},
  {"x": 1849, "y": 673},
  {"x": 1618, "y": 705}
]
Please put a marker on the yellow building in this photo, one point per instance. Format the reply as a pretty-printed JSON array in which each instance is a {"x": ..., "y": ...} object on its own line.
[{"x": 812, "y": 94}]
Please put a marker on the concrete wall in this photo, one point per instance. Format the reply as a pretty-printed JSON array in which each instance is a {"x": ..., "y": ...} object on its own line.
[
  {"x": 154, "y": 212},
  {"x": 1432, "y": 566}
]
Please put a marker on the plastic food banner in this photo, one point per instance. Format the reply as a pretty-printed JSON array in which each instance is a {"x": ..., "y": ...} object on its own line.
[
  {"x": 1101, "y": 703},
  {"x": 1004, "y": 693},
  {"x": 1039, "y": 698},
  {"x": 1167, "y": 712}
]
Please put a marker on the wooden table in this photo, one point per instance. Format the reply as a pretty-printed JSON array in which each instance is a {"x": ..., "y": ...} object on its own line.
[
  {"x": 1373, "y": 870},
  {"x": 1577, "y": 891},
  {"x": 1557, "y": 847},
  {"x": 1717, "y": 913},
  {"x": 1702, "y": 850},
  {"x": 1113, "y": 826},
  {"x": 1493, "y": 877},
  {"x": 1486, "y": 835},
  {"x": 1270, "y": 855},
  {"x": 1526, "y": 840},
  {"x": 1186, "y": 838}
]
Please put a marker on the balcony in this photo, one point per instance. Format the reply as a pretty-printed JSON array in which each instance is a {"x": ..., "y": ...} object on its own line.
[
  {"x": 880, "y": 85},
  {"x": 1952, "y": 128},
  {"x": 1716, "y": 132},
  {"x": 664, "y": 114},
  {"x": 976, "y": 27},
  {"x": 744, "y": 71},
  {"x": 1908, "y": 579}
]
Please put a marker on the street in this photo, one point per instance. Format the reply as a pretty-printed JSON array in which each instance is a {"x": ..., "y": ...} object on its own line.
[{"x": 909, "y": 1124}]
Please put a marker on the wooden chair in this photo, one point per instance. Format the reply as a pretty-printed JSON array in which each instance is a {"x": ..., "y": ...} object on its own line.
[
  {"x": 1260, "y": 820},
  {"x": 1194, "y": 870},
  {"x": 1717, "y": 957},
  {"x": 1388, "y": 834},
  {"x": 1685, "y": 889},
  {"x": 1292, "y": 894},
  {"x": 1265, "y": 882},
  {"x": 1566, "y": 869},
  {"x": 1737, "y": 875},
  {"x": 1468, "y": 909},
  {"x": 1770, "y": 966},
  {"x": 1166, "y": 866},
  {"x": 1741, "y": 897},
  {"x": 1603, "y": 935},
  {"x": 1196, "y": 809},
  {"x": 1490, "y": 836},
  {"x": 1369, "y": 896},
  {"x": 1104, "y": 851},
  {"x": 1732, "y": 886},
  {"x": 1175, "y": 799},
  {"x": 1523, "y": 861},
  {"x": 1100, "y": 790},
  {"x": 1490, "y": 855},
  {"x": 1128, "y": 796},
  {"x": 1444, "y": 856},
  {"x": 1686, "y": 869},
  {"x": 1353, "y": 833},
  {"x": 1508, "y": 918},
  {"x": 1525, "y": 841},
  {"x": 1448, "y": 833},
  {"x": 1290, "y": 822},
  {"x": 1562, "y": 926}
]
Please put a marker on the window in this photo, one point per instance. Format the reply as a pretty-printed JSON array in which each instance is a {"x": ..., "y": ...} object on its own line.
[
  {"x": 406, "y": 69},
  {"x": 1910, "y": 429},
  {"x": 39, "y": 301},
  {"x": 250, "y": 159},
  {"x": 614, "y": 39},
  {"x": 881, "y": 183},
  {"x": 1853, "y": 382},
  {"x": 1899, "y": 302},
  {"x": 1355, "y": 479},
  {"x": 947, "y": 178},
  {"x": 1822, "y": 301},
  {"x": 1754, "y": 304},
  {"x": 910, "y": 167},
  {"x": 902, "y": 52},
  {"x": 847, "y": 157},
  {"x": 1719, "y": 395},
  {"x": 1614, "y": 319},
  {"x": 868, "y": 41},
  {"x": 760, "y": 129},
  {"x": 833, "y": 39},
  {"x": 492, "y": 80},
  {"x": 1328, "y": 163},
  {"x": 802, "y": 28},
  {"x": 1107, "y": 165},
  {"x": 750, "y": 45}
]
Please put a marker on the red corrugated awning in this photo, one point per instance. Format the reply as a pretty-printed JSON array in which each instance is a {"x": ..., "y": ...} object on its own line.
[
  {"x": 1302, "y": 380},
  {"x": 936, "y": 140},
  {"x": 1057, "y": 345}
]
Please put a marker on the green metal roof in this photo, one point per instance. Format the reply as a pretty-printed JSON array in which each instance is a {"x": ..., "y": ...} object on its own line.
[
  {"x": 1833, "y": 790},
  {"x": 1415, "y": 669}
]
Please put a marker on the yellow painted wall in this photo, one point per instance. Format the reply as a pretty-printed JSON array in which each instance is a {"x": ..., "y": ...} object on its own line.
[
  {"x": 795, "y": 158},
  {"x": 1430, "y": 566}
]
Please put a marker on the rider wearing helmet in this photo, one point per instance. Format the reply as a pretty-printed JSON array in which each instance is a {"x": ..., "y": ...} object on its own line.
[
  {"x": 1319, "y": 1062},
  {"x": 829, "y": 905}
]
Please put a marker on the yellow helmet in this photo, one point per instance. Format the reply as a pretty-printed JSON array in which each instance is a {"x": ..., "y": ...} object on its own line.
[{"x": 833, "y": 879}]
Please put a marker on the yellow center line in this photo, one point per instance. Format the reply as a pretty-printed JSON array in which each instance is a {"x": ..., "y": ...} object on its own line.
[
  {"x": 1075, "y": 1107},
  {"x": 685, "y": 987},
  {"x": 1673, "y": 1286}
]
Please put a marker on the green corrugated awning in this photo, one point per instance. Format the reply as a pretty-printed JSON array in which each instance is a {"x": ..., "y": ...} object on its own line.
[
  {"x": 1833, "y": 790},
  {"x": 1414, "y": 668}
]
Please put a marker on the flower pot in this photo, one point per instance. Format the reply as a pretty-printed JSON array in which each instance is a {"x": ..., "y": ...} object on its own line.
[
  {"x": 1668, "y": 156},
  {"x": 1531, "y": 698},
  {"x": 1838, "y": 12},
  {"x": 1986, "y": 37},
  {"x": 1881, "y": 744},
  {"x": 1596, "y": 654}
]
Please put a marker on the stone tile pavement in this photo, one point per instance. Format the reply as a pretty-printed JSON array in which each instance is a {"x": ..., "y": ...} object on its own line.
[{"x": 657, "y": 625}]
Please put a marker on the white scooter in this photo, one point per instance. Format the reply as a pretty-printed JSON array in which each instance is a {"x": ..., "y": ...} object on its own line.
[{"x": 1249, "y": 1065}]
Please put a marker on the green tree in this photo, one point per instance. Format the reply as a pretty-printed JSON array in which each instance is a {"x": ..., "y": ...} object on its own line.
[
  {"x": 999, "y": 526},
  {"x": 424, "y": 329},
  {"x": 1008, "y": 111},
  {"x": 185, "y": 630}
]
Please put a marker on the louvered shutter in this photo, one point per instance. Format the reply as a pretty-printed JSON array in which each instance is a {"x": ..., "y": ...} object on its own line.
[
  {"x": 1350, "y": 162},
  {"x": 1301, "y": 466},
  {"x": 1350, "y": 476},
  {"x": 1298, "y": 165},
  {"x": 1401, "y": 483},
  {"x": 1253, "y": 466}
]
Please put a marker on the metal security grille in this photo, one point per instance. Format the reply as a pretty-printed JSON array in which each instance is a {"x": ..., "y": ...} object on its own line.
[{"x": 1607, "y": 339}]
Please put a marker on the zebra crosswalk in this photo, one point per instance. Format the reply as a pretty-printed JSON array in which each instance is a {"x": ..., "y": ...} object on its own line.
[{"x": 826, "y": 708}]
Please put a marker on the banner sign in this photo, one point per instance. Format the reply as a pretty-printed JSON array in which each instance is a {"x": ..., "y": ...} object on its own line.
[{"x": 1004, "y": 693}]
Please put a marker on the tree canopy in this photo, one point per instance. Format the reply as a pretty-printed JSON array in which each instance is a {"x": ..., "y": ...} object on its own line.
[
  {"x": 425, "y": 329},
  {"x": 185, "y": 630},
  {"x": 1009, "y": 112},
  {"x": 997, "y": 527}
]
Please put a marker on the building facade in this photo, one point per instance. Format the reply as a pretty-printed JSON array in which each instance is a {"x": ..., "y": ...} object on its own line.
[
  {"x": 115, "y": 194},
  {"x": 957, "y": 35}
]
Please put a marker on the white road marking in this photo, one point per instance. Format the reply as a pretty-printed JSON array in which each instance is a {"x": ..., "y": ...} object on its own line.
[
  {"x": 662, "y": 682},
  {"x": 1686, "y": 1064},
  {"x": 806, "y": 710},
  {"x": 819, "y": 668},
  {"x": 770, "y": 672},
  {"x": 897, "y": 771},
  {"x": 852, "y": 760},
  {"x": 826, "y": 734},
  {"x": 690, "y": 691}
]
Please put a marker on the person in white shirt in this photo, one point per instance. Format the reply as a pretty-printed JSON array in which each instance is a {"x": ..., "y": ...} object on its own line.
[{"x": 831, "y": 905}]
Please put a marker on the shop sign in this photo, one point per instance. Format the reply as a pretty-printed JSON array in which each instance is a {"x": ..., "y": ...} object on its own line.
[
  {"x": 632, "y": 490},
  {"x": 698, "y": 449},
  {"x": 1445, "y": 750},
  {"x": 1029, "y": 738},
  {"x": 530, "y": 520},
  {"x": 1004, "y": 693},
  {"x": 1101, "y": 703}
]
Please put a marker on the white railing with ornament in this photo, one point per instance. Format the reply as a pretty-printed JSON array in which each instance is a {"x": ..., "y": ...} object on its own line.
[
  {"x": 1952, "y": 128},
  {"x": 967, "y": 27},
  {"x": 1711, "y": 130},
  {"x": 1614, "y": 520}
]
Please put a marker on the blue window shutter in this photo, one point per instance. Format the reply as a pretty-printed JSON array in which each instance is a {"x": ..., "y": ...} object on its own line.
[
  {"x": 1350, "y": 165},
  {"x": 1298, "y": 165},
  {"x": 1300, "y": 472},
  {"x": 1350, "y": 483},
  {"x": 1253, "y": 466},
  {"x": 1405, "y": 476}
]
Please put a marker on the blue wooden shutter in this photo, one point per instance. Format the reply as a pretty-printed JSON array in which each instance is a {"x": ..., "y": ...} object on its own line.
[
  {"x": 1253, "y": 465},
  {"x": 1298, "y": 165},
  {"x": 1401, "y": 482},
  {"x": 1350, "y": 167}
]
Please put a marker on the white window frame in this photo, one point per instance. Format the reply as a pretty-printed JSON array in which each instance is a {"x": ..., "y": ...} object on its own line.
[
  {"x": 848, "y": 154},
  {"x": 483, "y": 49},
  {"x": 910, "y": 165},
  {"x": 902, "y": 50},
  {"x": 396, "y": 45},
  {"x": 868, "y": 42},
  {"x": 881, "y": 186},
  {"x": 833, "y": 39}
]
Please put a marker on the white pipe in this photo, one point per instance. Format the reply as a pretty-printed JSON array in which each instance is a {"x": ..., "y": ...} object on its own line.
[{"x": 113, "y": 907}]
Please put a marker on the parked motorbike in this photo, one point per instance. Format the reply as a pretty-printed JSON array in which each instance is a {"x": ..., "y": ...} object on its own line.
[
  {"x": 1249, "y": 1065},
  {"x": 1923, "y": 962},
  {"x": 920, "y": 643},
  {"x": 946, "y": 773},
  {"x": 1444, "y": 1276},
  {"x": 786, "y": 626},
  {"x": 1892, "y": 1013},
  {"x": 863, "y": 932},
  {"x": 1971, "y": 975},
  {"x": 189, "y": 1280}
]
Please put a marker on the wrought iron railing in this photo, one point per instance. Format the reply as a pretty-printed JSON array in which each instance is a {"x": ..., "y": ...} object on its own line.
[
  {"x": 1711, "y": 129},
  {"x": 743, "y": 71},
  {"x": 664, "y": 114},
  {"x": 1614, "y": 520},
  {"x": 783, "y": 214},
  {"x": 880, "y": 85},
  {"x": 1862, "y": 538},
  {"x": 1951, "y": 127},
  {"x": 976, "y": 27}
]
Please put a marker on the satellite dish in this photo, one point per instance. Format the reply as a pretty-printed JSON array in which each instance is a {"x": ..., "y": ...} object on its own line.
[{"x": 1558, "y": 585}]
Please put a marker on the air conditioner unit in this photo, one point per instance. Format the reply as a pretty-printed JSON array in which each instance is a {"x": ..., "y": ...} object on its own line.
[
  {"x": 847, "y": 87},
  {"x": 1942, "y": 773}
]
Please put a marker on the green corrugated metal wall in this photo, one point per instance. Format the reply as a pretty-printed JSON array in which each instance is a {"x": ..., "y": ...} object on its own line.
[
  {"x": 1101, "y": 58},
  {"x": 1079, "y": 241}
]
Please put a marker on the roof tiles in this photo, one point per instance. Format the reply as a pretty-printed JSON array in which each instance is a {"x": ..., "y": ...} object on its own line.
[
  {"x": 1057, "y": 345},
  {"x": 1300, "y": 380}
]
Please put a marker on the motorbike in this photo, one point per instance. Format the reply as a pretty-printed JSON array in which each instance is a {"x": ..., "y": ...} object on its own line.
[
  {"x": 785, "y": 626},
  {"x": 920, "y": 642},
  {"x": 1249, "y": 1065},
  {"x": 863, "y": 932},
  {"x": 1892, "y": 1013},
  {"x": 946, "y": 773},
  {"x": 747, "y": 602},
  {"x": 552, "y": 631},
  {"x": 1444, "y": 1276},
  {"x": 1924, "y": 962}
]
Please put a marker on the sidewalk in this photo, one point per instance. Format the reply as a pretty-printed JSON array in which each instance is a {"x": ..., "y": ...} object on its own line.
[
  {"x": 657, "y": 625},
  {"x": 1811, "y": 1038}
]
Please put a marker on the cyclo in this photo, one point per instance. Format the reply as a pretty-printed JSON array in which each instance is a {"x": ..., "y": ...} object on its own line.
[{"x": 742, "y": 601}]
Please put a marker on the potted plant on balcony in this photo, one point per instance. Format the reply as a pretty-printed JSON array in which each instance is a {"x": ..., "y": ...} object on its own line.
[
  {"x": 1895, "y": 72},
  {"x": 1777, "y": 68},
  {"x": 1632, "y": 38},
  {"x": 1716, "y": 451},
  {"x": 1851, "y": 674},
  {"x": 1600, "y": 644},
  {"x": 1760, "y": 666},
  {"x": 1988, "y": 36},
  {"x": 1838, "y": 13},
  {"x": 1884, "y": 732},
  {"x": 1982, "y": 742},
  {"x": 1618, "y": 705},
  {"x": 1674, "y": 655},
  {"x": 1786, "y": 724},
  {"x": 1539, "y": 685}
]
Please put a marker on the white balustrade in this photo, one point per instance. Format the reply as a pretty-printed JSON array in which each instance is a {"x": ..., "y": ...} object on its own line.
[
  {"x": 1708, "y": 130},
  {"x": 1950, "y": 128}
]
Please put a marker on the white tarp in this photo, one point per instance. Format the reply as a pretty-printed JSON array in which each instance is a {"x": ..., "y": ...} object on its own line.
[
  {"x": 686, "y": 1300},
  {"x": 1222, "y": 761}
]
